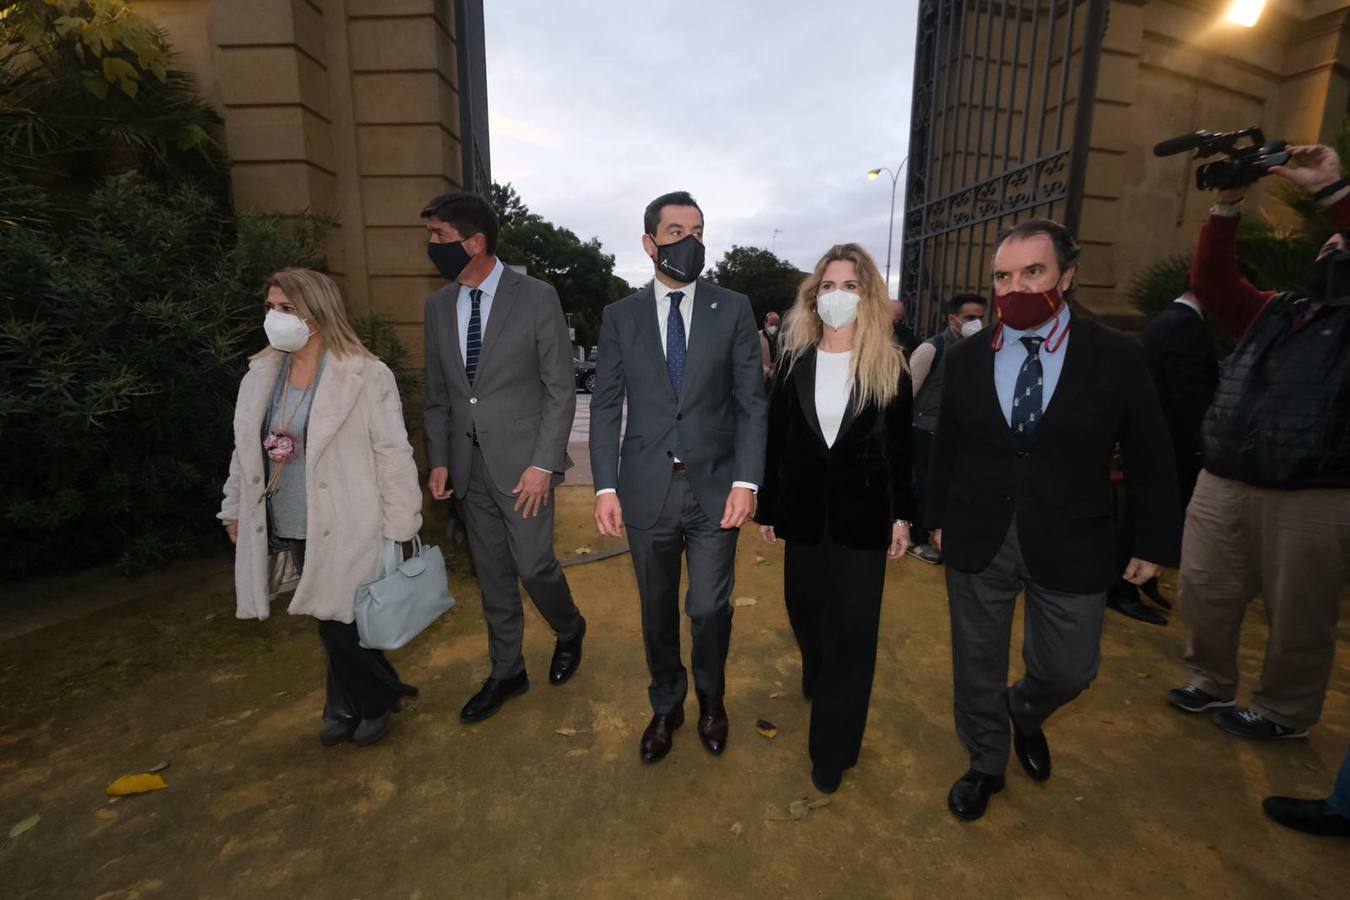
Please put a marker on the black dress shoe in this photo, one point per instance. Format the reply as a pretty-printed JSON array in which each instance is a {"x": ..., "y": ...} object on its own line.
[
  {"x": 1308, "y": 816},
  {"x": 969, "y": 797},
  {"x": 337, "y": 731},
  {"x": 566, "y": 657},
  {"x": 826, "y": 780},
  {"x": 712, "y": 725},
  {"x": 657, "y": 739},
  {"x": 372, "y": 730},
  {"x": 1137, "y": 609},
  {"x": 492, "y": 695},
  {"x": 1033, "y": 750},
  {"x": 1151, "y": 590}
]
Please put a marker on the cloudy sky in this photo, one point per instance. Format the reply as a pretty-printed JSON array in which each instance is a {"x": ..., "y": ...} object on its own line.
[{"x": 770, "y": 112}]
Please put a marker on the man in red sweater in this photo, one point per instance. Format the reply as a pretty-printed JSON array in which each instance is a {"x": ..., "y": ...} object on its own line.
[{"x": 1271, "y": 510}]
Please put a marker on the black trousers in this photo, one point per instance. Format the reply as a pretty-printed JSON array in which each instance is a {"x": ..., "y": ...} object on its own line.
[
  {"x": 833, "y": 596},
  {"x": 710, "y": 550},
  {"x": 362, "y": 684},
  {"x": 921, "y": 449}
]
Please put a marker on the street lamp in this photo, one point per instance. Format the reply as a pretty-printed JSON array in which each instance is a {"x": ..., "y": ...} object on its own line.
[{"x": 895, "y": 178}]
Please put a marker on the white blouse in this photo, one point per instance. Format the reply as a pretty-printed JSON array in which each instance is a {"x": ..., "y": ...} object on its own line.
[{"x": 832, "y": 390}]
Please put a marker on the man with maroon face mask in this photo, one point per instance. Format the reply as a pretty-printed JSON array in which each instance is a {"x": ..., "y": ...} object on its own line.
[{"x": 1019, "y": 499}]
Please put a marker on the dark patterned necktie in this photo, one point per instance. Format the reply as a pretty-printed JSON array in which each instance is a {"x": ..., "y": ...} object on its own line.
[
  {"x": 474, "y": 342},
  {"x": 1026, "y": 406},
  {"x": 675, "y": 349}
]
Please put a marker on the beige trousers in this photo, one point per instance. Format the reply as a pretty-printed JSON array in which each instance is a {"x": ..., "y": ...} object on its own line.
[{"x": 1291, "y": 547}]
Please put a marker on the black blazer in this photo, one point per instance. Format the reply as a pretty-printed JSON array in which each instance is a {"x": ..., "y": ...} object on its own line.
[
  {"x": 1057, "y": 482},
  {"x": 857, "y": 488},
  {"x": 1185, "y": 371}
]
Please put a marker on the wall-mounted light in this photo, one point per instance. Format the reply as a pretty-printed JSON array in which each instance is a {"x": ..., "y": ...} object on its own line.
[{"x": 1246, "y": 12}]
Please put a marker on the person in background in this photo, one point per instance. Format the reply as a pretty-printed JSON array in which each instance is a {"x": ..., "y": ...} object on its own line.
[
  {"x": 768, "y": 344},
  {"x": 836, "y": 488},
  {"x": 1185, "y": 371},
  {"x": 1328, "y": 818},
  {"x": 1020, "y": 500},
  {"x": 501, "y": 396},
  {"x": 1271, "y": 509},
  {"x": 322, "y": 470},
  {"x": 965, "y": 316},
  {"x": 904, "y": 335}
]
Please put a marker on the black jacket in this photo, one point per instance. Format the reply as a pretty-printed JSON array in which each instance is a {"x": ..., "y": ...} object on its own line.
[
  {"x": 1185, "y": 371},
  {"x": 1057, "y": 482},
  {"x": 1281, "y": 416},
  {"x": 857, "y": 488}
]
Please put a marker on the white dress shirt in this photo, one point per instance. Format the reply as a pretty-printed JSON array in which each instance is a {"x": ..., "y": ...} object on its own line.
[
  {"x": 832, "y": 389},
  {"x": 663, "y": 293},
  {"x": 464, "y": 307}
]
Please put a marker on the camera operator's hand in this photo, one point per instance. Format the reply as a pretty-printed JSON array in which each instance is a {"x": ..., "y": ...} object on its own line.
[{"x": 1318, "y": 166}]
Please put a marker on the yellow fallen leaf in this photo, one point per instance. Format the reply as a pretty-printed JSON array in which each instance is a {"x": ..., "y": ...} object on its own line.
[
  {"x": 136, "y": 784},
  {"x": 766, "y": 728},
  {"x": 744, "y": 601},
  {"x": 568, "y": 732},
  {"x": 737, "y": 829},
  {"x": 582, "y": 551},
  {"x": 26, "y": 825}
]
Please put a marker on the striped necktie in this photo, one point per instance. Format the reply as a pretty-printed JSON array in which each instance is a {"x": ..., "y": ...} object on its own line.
[{"x": 474, "y": 342}]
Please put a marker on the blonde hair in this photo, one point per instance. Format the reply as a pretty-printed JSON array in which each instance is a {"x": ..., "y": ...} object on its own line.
[
  {"x": 318, "y": 300},
  {"x": 877, "y": 362}
]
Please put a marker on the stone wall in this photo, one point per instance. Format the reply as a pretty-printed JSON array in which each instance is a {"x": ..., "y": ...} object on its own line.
[{"x": 350, "y": 107}]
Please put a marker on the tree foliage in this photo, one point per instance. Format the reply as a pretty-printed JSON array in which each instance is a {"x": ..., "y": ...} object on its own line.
[
  {"x": 581, "y": 271},
  {"x": 770, "y": 282}
]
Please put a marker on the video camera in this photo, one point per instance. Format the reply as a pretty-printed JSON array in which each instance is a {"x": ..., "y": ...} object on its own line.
[{"x": 1244, "y": 165}]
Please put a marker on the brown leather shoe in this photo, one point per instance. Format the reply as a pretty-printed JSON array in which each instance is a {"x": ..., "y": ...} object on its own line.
[
  {"x": 712, "y": 724},
  {"x": 656, "y": 740}
]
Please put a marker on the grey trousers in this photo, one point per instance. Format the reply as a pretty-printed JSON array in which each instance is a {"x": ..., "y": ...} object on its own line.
[
  {"x": 683, "y": 529},
  {"x": 1061, "y": 649},
  {"x": 505, "y": 548}
]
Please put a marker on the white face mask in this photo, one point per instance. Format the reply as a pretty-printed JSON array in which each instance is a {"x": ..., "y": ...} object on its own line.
[
  {"x": 285, "y": 331},
  {"x": 974, "y": 326},
  {"x": 837, "y": 309},
  {"x": 771, "y": 329}
]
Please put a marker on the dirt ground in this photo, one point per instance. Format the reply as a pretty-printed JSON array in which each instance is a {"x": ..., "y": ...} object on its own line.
[{"x": 1145, "y": 801}]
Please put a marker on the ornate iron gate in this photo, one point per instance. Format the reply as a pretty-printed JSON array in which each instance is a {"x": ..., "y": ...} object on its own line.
[{"x": 992, "y": 140}]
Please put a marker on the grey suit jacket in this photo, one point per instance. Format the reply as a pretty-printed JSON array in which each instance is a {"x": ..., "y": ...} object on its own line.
[
  {"x": 524, "y": 393},
  {"x": 718, "y": 424}
]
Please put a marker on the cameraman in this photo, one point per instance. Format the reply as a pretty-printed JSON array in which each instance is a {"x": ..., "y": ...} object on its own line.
[{"x": 1271, "y": 510}]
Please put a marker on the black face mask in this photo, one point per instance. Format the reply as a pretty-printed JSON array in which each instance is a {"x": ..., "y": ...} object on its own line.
[
  {"x": 449, "y": 259},
  {"x": 1329, "y": 278},
  {"x": 682, "y": 260}
]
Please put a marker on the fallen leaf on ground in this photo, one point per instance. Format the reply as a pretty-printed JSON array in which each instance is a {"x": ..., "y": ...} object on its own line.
[
  {"x": 568, "y": 732},
  {"x": 1143, "y": 675},
  {"x": 136, "y": 784},
  {"x": 1077, "y": 799},
  {"x": 582, "y": 551},
  {"x": 580, "y": 751},
  {"x": 737, "y": 829},
  {"x": 158, "y": 767},
  {"x": 773, "y": 696},
  {"x": 798, "y": 809},
  {"x": 766, "y": 728},
  {"x": 760, "y": 561},
  {"x": 26, "y": 825},
  {"x": 744, "y": 601},
  {"x": 818, "y": 803}
]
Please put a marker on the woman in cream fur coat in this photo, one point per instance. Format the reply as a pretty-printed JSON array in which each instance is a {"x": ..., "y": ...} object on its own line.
[{"x": 322, "y": 470}]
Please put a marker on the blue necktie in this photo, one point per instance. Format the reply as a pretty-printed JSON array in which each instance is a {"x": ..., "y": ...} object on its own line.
[
  {"x": 1026, "y": 406},
  {"x": 474, "y": 342},
  {"x": 675, "y": 349}
]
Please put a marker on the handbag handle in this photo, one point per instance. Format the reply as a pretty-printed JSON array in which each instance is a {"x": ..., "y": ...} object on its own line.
[{"x": 393, "y": 553}]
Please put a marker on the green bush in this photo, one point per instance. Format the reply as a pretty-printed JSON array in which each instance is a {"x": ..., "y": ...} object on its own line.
[{"x": 123, "y": 336}]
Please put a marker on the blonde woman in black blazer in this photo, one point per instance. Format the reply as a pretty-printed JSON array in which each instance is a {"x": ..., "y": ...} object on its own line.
[{"x": 836, "y": 489}]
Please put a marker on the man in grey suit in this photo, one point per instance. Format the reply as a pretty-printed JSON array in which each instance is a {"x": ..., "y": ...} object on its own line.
[
  {"x": 685, "y": 355},
  {"x": 499, "y": 407}
]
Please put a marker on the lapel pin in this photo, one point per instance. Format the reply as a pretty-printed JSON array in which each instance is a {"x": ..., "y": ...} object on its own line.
[{"x": 714, "y": 304}]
